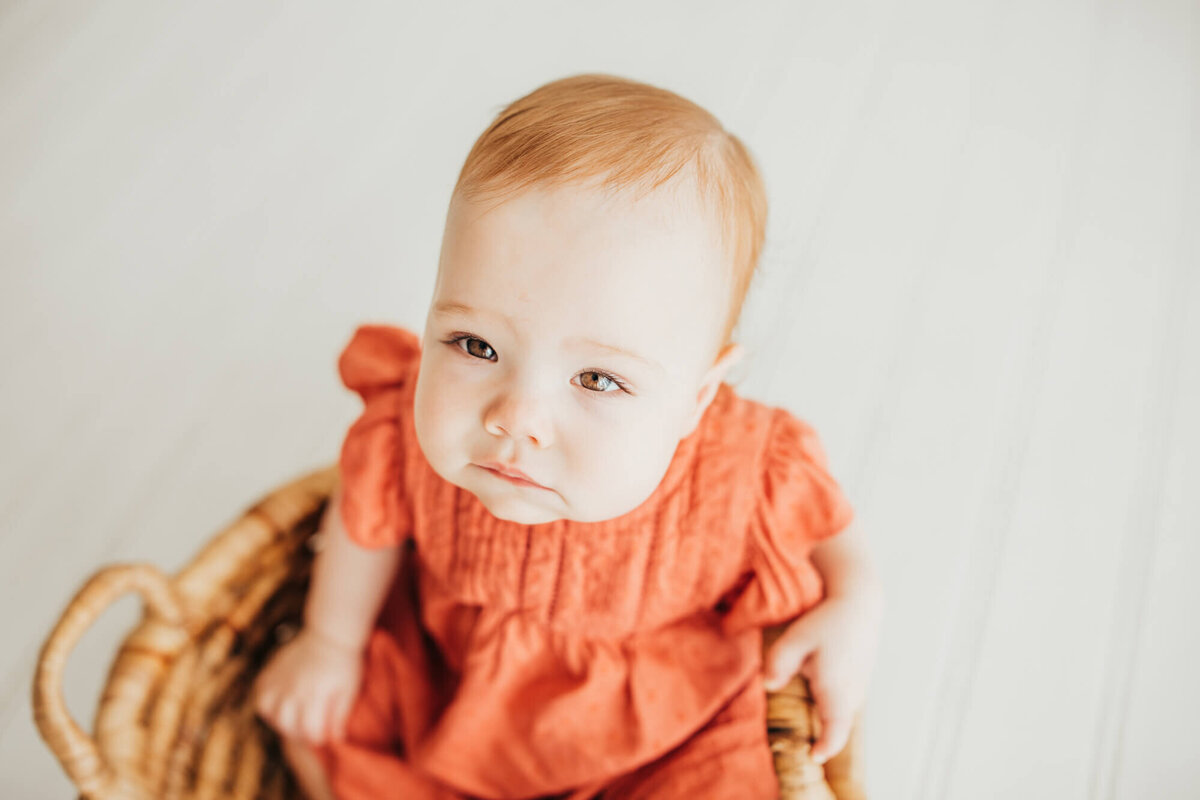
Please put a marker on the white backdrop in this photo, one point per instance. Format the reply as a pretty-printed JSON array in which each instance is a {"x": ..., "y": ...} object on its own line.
[{"x": 979, "y": 286}]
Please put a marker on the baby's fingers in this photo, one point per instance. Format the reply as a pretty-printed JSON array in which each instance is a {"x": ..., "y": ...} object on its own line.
[
  {"x": 312, "y": 724},
  {"x": 788, "y": 654},
  {"x": 269, "y": 690},
  {"x": 835, "y": 724},
  {"x": 339, "y": 710},
  {"x": 266, "y": 703},
  {"x": 287, "y": 718}
]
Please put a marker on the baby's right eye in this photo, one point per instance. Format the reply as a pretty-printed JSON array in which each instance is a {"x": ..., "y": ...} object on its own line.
[{"x": 481, "y": 349}]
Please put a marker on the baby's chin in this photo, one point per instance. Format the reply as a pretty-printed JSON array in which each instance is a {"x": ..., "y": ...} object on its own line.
[
  {"x": 514, "y": 508},
  {"x": 511, "y": 509}
]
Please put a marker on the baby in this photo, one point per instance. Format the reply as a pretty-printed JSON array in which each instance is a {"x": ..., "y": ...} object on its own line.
[{"x": 559, "y": 533}]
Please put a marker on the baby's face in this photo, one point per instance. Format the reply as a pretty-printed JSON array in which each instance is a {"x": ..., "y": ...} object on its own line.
[{"x": 572, "y": 337}]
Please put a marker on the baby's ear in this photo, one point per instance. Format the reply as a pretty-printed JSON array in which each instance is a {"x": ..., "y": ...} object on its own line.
[{"x": 730, "y": 355}]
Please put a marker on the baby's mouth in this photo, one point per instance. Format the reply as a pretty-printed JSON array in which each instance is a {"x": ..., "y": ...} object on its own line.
[{"x": 510, "y": 474}]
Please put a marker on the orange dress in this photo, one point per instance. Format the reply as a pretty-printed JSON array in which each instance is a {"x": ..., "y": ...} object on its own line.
[{"x": 617, "y": 659}]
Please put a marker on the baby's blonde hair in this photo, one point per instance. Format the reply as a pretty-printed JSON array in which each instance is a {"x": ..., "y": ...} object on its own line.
[{"x": 631, "y": 135}]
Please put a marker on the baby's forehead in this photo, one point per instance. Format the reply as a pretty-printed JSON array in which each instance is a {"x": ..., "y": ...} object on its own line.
[
  {"x": 627, "y": 281},
  {"x": 579, "y": 226}
]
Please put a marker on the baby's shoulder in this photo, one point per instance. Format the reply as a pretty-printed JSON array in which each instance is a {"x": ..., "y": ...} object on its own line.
[
  {"x": 754, "y": 452},
  {"x": 738, "y": 428},
  {"x": 729, "y": 460},
  {"x": 378, "y": 356},
  {"x": 378, "y": 451}
]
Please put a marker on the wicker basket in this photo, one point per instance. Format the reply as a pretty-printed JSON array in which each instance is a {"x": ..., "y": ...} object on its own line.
[{"x": 176, "y": 719}]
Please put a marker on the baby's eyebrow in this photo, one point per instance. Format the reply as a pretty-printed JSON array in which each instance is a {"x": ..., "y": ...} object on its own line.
[
  {"x": 446, "y": 307},
  {"x": 649, "y": 362},
  {"x": 462, "y": 308}
]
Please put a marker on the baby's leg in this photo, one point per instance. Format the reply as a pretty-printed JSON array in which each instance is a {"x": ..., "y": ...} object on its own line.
[
  {"x": 728, "y": 759},
  {"x": 308, "y": 769}
]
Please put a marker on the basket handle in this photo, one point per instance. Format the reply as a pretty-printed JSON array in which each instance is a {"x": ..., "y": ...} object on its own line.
[{"x": 75, "y": 749}]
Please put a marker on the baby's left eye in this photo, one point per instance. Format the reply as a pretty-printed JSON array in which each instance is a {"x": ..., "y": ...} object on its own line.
[
  {"x": 599, "y": 382},
  {"x": 481, "y": 350}
]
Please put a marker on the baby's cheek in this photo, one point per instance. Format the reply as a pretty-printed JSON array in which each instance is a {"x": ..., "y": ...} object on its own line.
[
  {"x": 644, "y": 458},
  {"x": 430, "y": 423}
]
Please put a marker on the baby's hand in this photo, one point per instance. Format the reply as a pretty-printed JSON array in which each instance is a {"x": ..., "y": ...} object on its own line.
[
  {"x": 833, "y": 647},
  {"x": 307, "y": 688}
]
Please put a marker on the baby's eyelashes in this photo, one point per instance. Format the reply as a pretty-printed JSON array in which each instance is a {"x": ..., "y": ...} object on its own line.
[
  {"x": 607, "y": 383},
  {"x": 482, "y": 351}
]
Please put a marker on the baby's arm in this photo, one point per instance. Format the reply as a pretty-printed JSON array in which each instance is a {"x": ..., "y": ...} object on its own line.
[
  {"x": 307, "y": 688},
  {"x": 833, "y": 644},
  {"x": 349, "y": 583},
  {"x": 846, "y": 568}
]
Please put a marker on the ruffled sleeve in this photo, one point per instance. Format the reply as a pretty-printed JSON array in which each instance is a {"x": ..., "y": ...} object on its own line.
[
  {"x": 799, "y": 504},
  {"x": 379, "y": 364}
]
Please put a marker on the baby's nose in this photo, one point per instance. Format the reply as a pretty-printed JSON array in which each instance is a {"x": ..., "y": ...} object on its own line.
[{"x": 519, "y": 416}]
